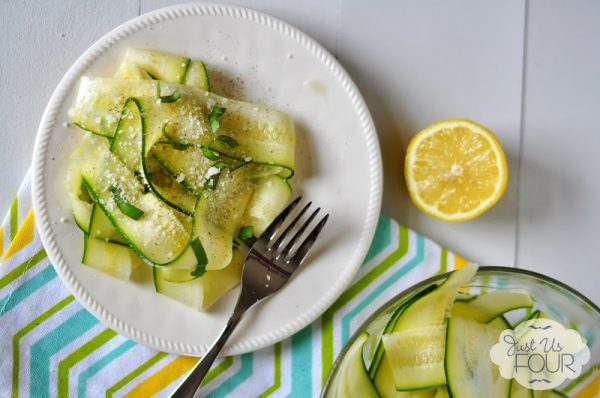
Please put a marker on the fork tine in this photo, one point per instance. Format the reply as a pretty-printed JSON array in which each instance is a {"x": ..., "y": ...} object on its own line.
[
  {"x": 299, "y": 233},
  {"x": 268, "y": 234},
  {"x": 279, "y": 240},
  {"x": 302, "y": 251}
]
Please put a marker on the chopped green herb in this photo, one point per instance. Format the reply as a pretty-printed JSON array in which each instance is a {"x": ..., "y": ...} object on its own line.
[
  {"x": 198, "y": 249},
  {"x": 126, "y": 208},
  {"x": 228, "y": 140},
  {"x": 214, "y": 116},
  {"x": 246, "y": 235},
  {"x": 221, "y": 165},
  {"x": 151, "y": 76},
  {"x": 212, "y": 181},
  {"x": 167, "y": 98},
  {"x": 209, "y": 154},
  {"x": 178, "y": 146}
]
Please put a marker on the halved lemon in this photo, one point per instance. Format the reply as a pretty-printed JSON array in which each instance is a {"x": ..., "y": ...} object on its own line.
[{"x": 455, "y": 170}]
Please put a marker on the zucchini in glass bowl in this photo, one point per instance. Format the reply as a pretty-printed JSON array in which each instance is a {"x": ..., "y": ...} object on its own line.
[{"x": 434, "y": 339}]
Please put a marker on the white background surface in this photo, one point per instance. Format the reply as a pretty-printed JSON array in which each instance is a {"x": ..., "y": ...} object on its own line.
[{"x": 529, "y": 70}]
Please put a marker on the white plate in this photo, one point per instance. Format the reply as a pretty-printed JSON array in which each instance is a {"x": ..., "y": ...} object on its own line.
[{"x": 254, "y": 57}]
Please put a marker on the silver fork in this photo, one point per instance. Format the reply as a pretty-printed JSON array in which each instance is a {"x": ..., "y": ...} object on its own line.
[{"x": 268, "y": 266}]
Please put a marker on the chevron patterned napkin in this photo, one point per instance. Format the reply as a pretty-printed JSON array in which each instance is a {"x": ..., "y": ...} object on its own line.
[{"x": 51, "y": 346}]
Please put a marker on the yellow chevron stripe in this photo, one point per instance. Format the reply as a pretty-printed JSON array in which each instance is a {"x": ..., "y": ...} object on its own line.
[
  {"x": 592, "y": 390},
  {"x": 23, "y": 237},
  {"x": 167, "y": 375},
  {"x": 459, "y": 262}
]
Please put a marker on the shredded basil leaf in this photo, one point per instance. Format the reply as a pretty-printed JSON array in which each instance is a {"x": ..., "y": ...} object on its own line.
[
  {"x": 228, "y": 140},
  {"x": 212, "y": 181},
  {"x": 210, "y": 155},
  {"x": 200, "y": 254},
  {"x": 221, "y": 165},
  {"x": 167, "y": 98},
  {"x": 246, "y": 235},
  {"x": 126, "y": 208},
  {"x": 214, "y": 116}
]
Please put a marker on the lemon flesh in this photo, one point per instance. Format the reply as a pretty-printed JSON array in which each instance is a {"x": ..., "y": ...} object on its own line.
[{"x": 455, "y": 170}]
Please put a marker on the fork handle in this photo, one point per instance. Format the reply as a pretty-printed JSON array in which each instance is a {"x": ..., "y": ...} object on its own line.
[{"x": 191, "y": 385}]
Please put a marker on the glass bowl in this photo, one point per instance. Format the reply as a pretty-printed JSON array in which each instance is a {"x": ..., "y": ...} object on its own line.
[{"x": 562, "y": 302}]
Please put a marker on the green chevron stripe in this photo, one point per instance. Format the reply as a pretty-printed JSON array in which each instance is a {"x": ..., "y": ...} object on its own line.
[
  {"x": 135, "y": 373},
  {"x": 44, "y": 349},
  {"x": 22, "y": 268},
  {"x": 76, "y": 356},
  {"x": 217, "y": 370},
  {"x": 595, "y": 367},
  {"x": 28, "y": 328},
  {"x": 360, "y": 285},
  {"x": 443, "y": 261},
  {"x": 276, "y": 372},
  {"x": 100, "y": 364},
  {"x": 381, "y": 240},
  {"x": 245, "y": 371},
  {"x": 14, "y": 218}
]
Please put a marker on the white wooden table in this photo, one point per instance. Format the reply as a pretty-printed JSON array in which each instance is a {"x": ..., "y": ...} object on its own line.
[{"x": 529, "y": 70}]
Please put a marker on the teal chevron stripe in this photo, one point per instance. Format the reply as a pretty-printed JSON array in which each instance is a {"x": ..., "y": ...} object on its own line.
[
  {"x": 54, "y": 341},
  {"x": 301, "y": 360},
  {"x": 418, "y": 259},
  {"x": 245, "y": 371},
  {"x": 26, "y": 289},
  {"x": 22, "y": 268},
  {"x": 26, "y": 329},
  {"x": 381, "y": 240},
  {"x": 101, "y": 364}
]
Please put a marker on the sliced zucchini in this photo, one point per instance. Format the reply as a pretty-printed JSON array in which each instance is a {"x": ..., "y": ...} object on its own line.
[
  {"x": 80, "y": 201},
  {"x": 380, "y": 369},
  {"x": 500, "y": 322},
  {"x": 264, "y": 135},
  {"x": 427, "y": 315},
  {"x": 434, "y": 308},
  {"x": 518, "y": 391},
  {"x": 189, "y": 166},
  {"x": 470, "y": 373},
  {"x": 131, "y": 71},
  {"x": 131, "y": 144},
  {"x": 113, "y": 259},
  {"x": 353, "y": 379},
  {"x": 127, "y": 141},
  {"x": 102, "y": 228},
  {"x": 493, "y": 304},
  {"x": 157, "y": 65},
  {"x": 416, "y": 356},
  {"x": 202, "y": 292},
  {"x": 269, "y": 199},
  {"x": 159, "y": 236},
  {"x": 173, "y": 192},
  {"x": 549, "y": 394},
  {"x": 218, "y": 215},
  {"x": 197, "y": 76},
  {"x": 460, "y": 296},
  {"x": 441, "y": 393}
]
